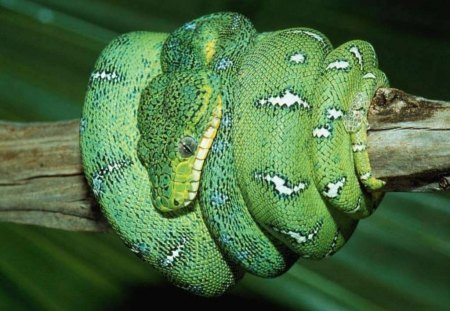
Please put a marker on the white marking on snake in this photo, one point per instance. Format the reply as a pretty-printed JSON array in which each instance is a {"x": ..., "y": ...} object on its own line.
[
  {"x": 97, "y": 177},
  {"x": 300, "y": 239},
  {"x": 333, "y": 244},
  {"x": 227, "y": 120},
  {"x": 358, "y": 147},
  {"x": 365, "y": 176},
  {"x": 104, "y": 75},
  {"x": 333, "y": 189},
  {"x": 297, "y": 58},
  {"x": 288, "y": 99},
  {"x": 314, "y": 35},
  {"x": 311, "y": 34},
  {"x": 339, "y": 64},
  {"x": 219, "y": 145},
  {"x": 369, "y": 75},
  {"x": 280, "y": 184},
  {"x": 224, "y": 63},
  {"x": 218, "y": 198},
  {"x": 236, "y": 22},
  {"x": 83, "y": 124},
  {"x": 321, "y": 132},
  {"x": 297, "y": 236},
  {"x": 190, "y": 26},
  {"x": 97, "y": 182},
  {"x": 334, "y": 114},
  {"x": 357, "y": 207},
  {"x": 175, "y": 253},
  {"x": 355, "y": 51}
]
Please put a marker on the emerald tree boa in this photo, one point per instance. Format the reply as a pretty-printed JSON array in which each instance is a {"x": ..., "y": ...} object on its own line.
[{"x": 217, "y": 150}]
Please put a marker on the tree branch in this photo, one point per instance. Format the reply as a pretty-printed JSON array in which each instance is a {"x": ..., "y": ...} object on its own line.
[
  {"x": 409, "y": 141},
  {"x": 42, "y": 182}
]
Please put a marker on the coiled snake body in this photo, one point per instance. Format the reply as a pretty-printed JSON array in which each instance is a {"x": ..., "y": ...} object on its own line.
[{"x": 216, "y": 150}]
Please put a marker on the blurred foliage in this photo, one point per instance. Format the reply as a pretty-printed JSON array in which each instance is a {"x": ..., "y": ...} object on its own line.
[{"x": 397, "y": 259}]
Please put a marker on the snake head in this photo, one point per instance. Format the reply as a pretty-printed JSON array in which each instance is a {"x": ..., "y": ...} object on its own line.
[{"x": 178, "y": 119}]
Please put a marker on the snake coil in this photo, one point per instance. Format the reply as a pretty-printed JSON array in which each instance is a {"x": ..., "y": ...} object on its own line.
[{"x": 215, "y": 150}]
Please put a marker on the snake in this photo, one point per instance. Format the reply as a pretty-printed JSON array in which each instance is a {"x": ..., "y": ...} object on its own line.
[{"x": 217, "y": 150}]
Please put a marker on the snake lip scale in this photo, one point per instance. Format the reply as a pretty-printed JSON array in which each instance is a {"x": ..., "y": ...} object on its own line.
[{"x": 216, "y": 150}]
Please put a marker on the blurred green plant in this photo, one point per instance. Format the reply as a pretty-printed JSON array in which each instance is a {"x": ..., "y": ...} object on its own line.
[{"x": 397, "y": 259}]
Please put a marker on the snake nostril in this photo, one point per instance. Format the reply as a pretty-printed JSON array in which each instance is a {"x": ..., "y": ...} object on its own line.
[{"x": 176, "y": 203}]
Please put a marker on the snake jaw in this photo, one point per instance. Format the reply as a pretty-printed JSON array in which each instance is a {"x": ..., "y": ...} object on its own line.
[
  {"x": 187, "y": 171},
  {"x": 203, "y": 149}
]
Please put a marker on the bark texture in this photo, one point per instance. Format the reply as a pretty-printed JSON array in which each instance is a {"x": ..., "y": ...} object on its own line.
[{"x": 42, "y": 181}]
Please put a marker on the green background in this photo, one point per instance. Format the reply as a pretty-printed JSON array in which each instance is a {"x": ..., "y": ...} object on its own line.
[{"x": 397, "y": 259}]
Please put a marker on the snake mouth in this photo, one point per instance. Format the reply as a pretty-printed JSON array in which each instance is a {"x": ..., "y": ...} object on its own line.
[
  {"x": 184, "y": 183},
  {"x": 202, "y": 151}
]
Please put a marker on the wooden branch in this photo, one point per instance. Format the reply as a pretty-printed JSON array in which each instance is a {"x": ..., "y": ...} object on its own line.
[
  {"x": 409, "y": 141},
  {"x": 41, "y": 177},
  {"x": 42, "y": 182}
]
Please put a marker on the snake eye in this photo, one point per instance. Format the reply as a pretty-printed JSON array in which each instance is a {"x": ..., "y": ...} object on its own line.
[{"x": 187, "y": 146}]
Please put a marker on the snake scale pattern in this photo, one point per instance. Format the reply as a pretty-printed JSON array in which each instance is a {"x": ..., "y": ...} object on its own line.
[{"x": 216, "y": 150}]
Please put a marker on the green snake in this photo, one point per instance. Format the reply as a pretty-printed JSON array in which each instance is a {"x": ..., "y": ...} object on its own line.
[{"x": 217, "y": 150}]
